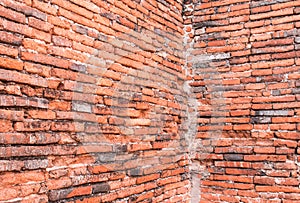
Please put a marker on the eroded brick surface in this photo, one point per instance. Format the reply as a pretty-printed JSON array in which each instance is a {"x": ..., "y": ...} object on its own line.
[
  {"x": 67, "y": 132},
  {"x": 95, "y": 106},
  {"x": 258, "y": 109}
]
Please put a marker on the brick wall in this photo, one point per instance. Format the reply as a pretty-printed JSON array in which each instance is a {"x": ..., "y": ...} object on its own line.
[
  {"x": 244, "y": 60},
  {"x": 90, "y": 101},
  {"x": 149, "y": 101}
]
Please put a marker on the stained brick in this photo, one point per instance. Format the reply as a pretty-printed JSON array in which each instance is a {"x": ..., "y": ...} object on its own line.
[
  {"x": 10, "y": 38},
  {"x": 100, "y": 188}
]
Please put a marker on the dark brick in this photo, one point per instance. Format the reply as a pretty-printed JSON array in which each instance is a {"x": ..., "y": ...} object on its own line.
[
  {"x": 101, "y": 188},
  {"x": 234, "y": 157}
]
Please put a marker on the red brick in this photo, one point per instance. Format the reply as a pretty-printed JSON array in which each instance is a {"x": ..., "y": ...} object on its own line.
[
  {"x": 283, "y": 12},
  {"x": 256, "y": 86},
  {"x": 147, "y": 178},
  {"x": 73, "y": 36},
  {"x": 12, "y": 115},
  {"x": 225, "y": 28},
  {"x": 25, "y": 30},
  {"x": 12, "y": 15},
  {"x": 276, "y": 189},
  {"x": 5, "y": 126},
  {"x": 284, "y": 5},
  {"x": 265, "y": 157},
  {"x": 74, "y": 8},
  {"x": 54, "y": 20},
  {"x": 227, "y": 164},
  {"x": 287, "y": 135},
  {"x": 88, "y": 5},
  {"x": 34, "y": 45},
  {"x": 243, "y": 179},
  {"x": 243, "y": 127},
  {"x": 9, "y": 193},
  {"x": 39, "y": 70},
  {"x": 38, "y": 24},
  {"x": 261, "y": 9},
  {"x": 273, "y": 42},
  {"x": 282, "y": 126},
  {"x": 272, "y": 28},
  {"x": 11, "y": 63},
  {"x": 285, "y": 20},
  {"x": 50, "y": 60},
  {"x": 264, "y": 150},
  {"x": 10, "y": 38},
  {"x": 80, "y": 191},
  {"x": 23, "y": 8},
  {"x": 41, "y": 114},
  {"x": 47, "y": 8},
  {"x": 66, "y": 53},
  {"x": 264, "y": 180},
  {"x": 248, "y": 193},
  {"x": 5, "y": 50}
]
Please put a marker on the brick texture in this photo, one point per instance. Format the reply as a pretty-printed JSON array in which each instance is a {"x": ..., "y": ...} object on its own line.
[
  {"x": 67, "y": 132},
  {"x": 94, "y": 105},
  {"x": 250, "y": 54}
]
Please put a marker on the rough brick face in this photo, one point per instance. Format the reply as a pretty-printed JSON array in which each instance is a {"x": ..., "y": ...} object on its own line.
[
  {"x": 149, "y": 101},
  {"x": 258, "y": 106},
  {"x": 88, "y": 109}
]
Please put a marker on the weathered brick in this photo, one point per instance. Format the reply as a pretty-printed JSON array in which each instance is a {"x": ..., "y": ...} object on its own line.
[
  {"x": 278, "y": 158},
  {"x": 5, "y": 126},
  {"x": 61, "y": 41},
  {"x": 12, "y": 115},
  {"x": 50, "y": 60},
  {"x": 30, "y": 44},
  {"x": 283, "y": 12},
  {"x": 38, "y": 24},
  {"x": 101, "y": 188},
  {"x": 233, "y": 157},
  {"x": 273, "y": 113},
  {"x": 12, "y": 15},
  {"x": 10, "y": 38},
  {"x": 35, "y": 164},
  {"x": 27, "y": 10},
  {"x": 14, "y": 76},
  {"x": 11, "y": 63},
  {"x": 70, "y": 58},
  {"x": 45, "y": 7}
]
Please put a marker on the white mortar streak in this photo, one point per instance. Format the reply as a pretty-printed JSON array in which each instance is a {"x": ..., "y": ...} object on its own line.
[{"x": 195, "y": 192}]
